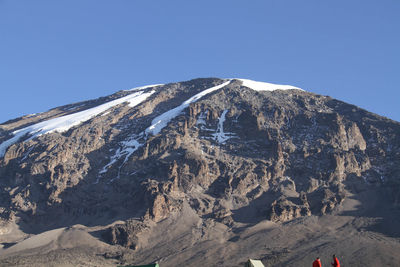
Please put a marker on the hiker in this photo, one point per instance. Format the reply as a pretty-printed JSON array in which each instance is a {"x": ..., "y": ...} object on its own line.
[
  {"x": 317, "y": 263},
  {"x": 335, "y": 262}
]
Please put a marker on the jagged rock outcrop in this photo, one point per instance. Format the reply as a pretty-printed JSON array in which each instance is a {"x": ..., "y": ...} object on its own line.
[
  {"x": 125, "y": 235},
  {"x": 284, "y": 209}
]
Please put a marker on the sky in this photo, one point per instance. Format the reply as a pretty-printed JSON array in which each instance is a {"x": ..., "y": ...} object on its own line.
[{"x": 54, "y": 53}]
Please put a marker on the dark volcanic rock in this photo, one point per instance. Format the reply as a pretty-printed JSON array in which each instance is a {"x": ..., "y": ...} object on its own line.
[
  {"x": 125, "y": 235},
  {"x": 284, "y": 209}
]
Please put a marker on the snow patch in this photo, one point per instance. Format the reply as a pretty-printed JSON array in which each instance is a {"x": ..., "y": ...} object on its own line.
[
  {"x": 201, "y": 120},
  {"x": 263, "y": 86},
  {"x": 127, "y": 148},
  {"x": 220, "y": 135},
  {"x": 64, "y": 123}
]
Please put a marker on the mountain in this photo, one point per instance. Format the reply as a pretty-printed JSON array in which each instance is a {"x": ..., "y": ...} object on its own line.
[{"x": 207, "y": 171}]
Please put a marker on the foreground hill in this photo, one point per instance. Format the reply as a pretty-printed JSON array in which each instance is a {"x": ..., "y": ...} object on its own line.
[{"x": 208, "y": 171}]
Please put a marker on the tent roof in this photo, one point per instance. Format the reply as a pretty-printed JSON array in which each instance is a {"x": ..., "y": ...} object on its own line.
[{"x": 256, "y": 263}]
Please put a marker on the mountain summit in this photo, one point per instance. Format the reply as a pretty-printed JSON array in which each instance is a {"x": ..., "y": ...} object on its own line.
[{"x": 208, "y": 171}]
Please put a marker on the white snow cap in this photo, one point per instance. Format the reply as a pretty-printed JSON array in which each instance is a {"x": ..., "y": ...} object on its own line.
[
  {"x": 262, "y": 86},
  {"x": 64, "y": 123}
]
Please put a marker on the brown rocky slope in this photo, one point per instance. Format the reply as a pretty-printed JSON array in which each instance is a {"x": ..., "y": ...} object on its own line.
[{"x": 290, "y": 172}]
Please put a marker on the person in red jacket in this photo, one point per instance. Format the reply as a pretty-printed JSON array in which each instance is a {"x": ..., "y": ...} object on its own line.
[
  {"x": 317, "y": 263},
  {"x": 335, "y": 262}
]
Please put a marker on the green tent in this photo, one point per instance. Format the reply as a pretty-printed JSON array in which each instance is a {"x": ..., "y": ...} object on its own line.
[{"x": 254, "y": 263}]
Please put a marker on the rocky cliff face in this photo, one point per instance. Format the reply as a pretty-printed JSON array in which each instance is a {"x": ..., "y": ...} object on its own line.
[{"x": 233, "y": 155}]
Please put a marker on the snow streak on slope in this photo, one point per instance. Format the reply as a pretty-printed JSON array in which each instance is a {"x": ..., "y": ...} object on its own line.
[
  {"x": 262, "y": 86},
  {"x": 64, "y": 123},
  {"x": 161, "y": 121},
  {"x": 220, "y": 135}
]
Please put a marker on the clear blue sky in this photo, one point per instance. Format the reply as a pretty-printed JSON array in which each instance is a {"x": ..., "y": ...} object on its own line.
[{"x": 58, "y": 52}]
